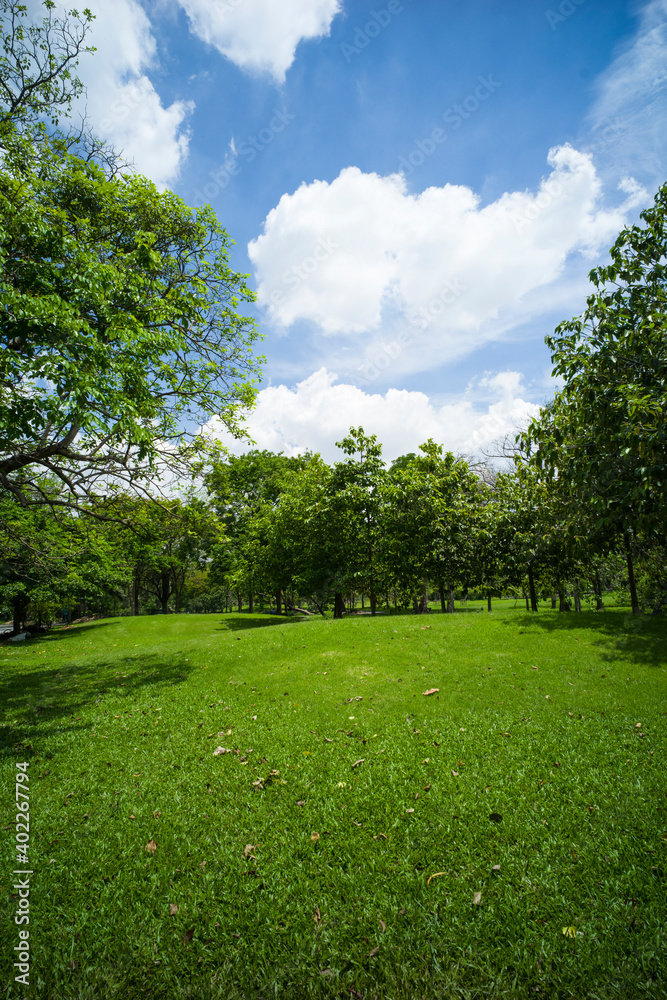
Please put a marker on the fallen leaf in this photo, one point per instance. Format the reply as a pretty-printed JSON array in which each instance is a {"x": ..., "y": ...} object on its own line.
[
  {"x": 427, "y": 787},
  {"x": 570, "y": 931},
  {"x": 259, "y": 784},
  {"x": 638, "y": 725},
  {"x": 151, "y": 846},
  {"x": 409, "y": 810},
  {"x": 360, "y": 761},
  {"x": 157, "y": 814},
  {"x": 495, "y": 817},
  {"x": 430, "y": 691},
  {"x": 301, "y": 802},
  {"x": 173, "y": 909},
  {"x": 477, "y": 898},
  {"x": 247, "y": 851},
  {"x": 495, "y": 868},
  {"x": 188, "y": 936},
  {"x": 383, "y": 835},
  {"x": 72, "y": 964},
  {"x": 202, "y": 864},
  {"x": 221, "y": 750},
  {"x": 382, "y": 925},
  {"x": 455, "y": 774},
  {"x": 316, "y": 915},
  {"x": 314, "y": 836},
  {"x": 373, "y": 952},
  {"x": 435, "y": 875},
  {"x": 132, "y": 816}
]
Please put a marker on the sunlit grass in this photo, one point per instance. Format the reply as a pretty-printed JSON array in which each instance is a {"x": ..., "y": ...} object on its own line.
[{"x": 340, "y": 845}]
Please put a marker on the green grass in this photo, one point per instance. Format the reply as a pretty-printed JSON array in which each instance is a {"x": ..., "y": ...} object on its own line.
[{"x": 535, "y": 721}]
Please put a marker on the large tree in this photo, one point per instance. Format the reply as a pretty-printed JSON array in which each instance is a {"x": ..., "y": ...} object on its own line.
[
  {"x": 605, "y": 432},
  {"x": 118, "y": 324}
]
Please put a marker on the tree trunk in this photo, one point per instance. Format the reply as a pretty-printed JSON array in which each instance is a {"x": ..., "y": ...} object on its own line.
[
  {"x": 554, "y": 602},
  {"x": 372, "y": 599},
  {"x": 488, "y": 601},
  {"x": 362, "y": 600},
  {"x": 634, "y": 600},
  {"x": 597, "y": 590},
  {"x": 441, "y": 592},
  {"x": 531, "y": 587},
  {"x": 525, "y": 597},
  {"x": 251, "y": 602},
  {"x": 278, "y": 601},
  {"x": 339, "y": 606},
  {"x": 450, "y": 605},
  {"x": 19, "y": 604},
  {"x": 563, "y": 603},
  {"x": 135, "y": 591},
  {"x": 239, "y": 601},
  {"x": 164, "y": 589},
  {"x": 577, "y": 598}
]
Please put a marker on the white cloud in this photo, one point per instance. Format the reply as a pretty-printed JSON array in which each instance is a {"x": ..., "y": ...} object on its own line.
[
  {"x": 318, "y": 412},
  {"x": 627, "y": 119},
  {"x": 363, "y": 256},
  {"x": 260, "y": 36},
  {"x": 121, "y": 102}
]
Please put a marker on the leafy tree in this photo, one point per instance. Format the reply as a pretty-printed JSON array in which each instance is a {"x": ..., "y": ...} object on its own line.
[
  {"x": 605, "y": 431},
  {"x": 119, "y": 328},
  {"x": 37, "y": 66}
]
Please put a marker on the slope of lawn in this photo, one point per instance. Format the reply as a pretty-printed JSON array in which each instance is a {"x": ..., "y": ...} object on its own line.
[{"x": 504, "y": 836}]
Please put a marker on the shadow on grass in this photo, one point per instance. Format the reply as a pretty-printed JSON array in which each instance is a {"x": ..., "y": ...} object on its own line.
[
  {"x": 45, "y": 703},
  {"x": 237, "y": 623},
  {"x": 642, "y": 638}
]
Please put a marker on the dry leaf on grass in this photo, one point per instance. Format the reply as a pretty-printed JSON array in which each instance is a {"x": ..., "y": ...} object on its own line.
[
  {"x": 173, "y": 909},
  {"x": 247, "y": 851},
  {"x": 431, "y": 691},
  {"x": 357, "y": 762},
  {"x": 151, "y": 846},
  {"x": 221, "y": 750},
  {"x": 316, "y": 915},
  {"x": 373, "y": 952},
  {"x": 455, "y": 774},
  {"x": 382, "y": 925},
  {"x": 477, "y": 898},
  {"x": 434, "y": 875}
]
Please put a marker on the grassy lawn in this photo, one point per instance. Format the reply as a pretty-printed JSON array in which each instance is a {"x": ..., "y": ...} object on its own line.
[{"x": 503, "y": 837}]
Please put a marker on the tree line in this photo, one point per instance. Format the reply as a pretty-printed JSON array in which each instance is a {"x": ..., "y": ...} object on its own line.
[{"x": 122, "y": 333}]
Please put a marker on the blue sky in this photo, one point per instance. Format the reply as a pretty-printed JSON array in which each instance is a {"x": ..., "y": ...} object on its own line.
[{"x": 418, "y": 189}]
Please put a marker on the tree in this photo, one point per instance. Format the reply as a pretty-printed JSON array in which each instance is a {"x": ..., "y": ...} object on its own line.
[
  {"x": 119, "y": 328},
  {"x": 37, "y": 66},
  {"x": 605, "y": 431}
]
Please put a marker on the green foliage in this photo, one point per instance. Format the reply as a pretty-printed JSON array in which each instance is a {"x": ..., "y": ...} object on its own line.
[
  {"x": 118, "y": 325},
  {"x": 605, "y": 431}
]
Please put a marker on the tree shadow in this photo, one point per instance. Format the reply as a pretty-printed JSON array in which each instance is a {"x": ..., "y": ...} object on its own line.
[
  {"x": 237, "y": 623},
  {"x": 619, "y": 634},
  {"x": 35, "y": 703}
]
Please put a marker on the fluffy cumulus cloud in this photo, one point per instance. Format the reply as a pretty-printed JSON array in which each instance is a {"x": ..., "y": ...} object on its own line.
[
  {"x": 628, "y": 117},
  {"x": 121, "y": 102},
  {"x": 260, "y": 36},
  {"x": 364, "y": 256},
  {"x": 319, "y": 411}
]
